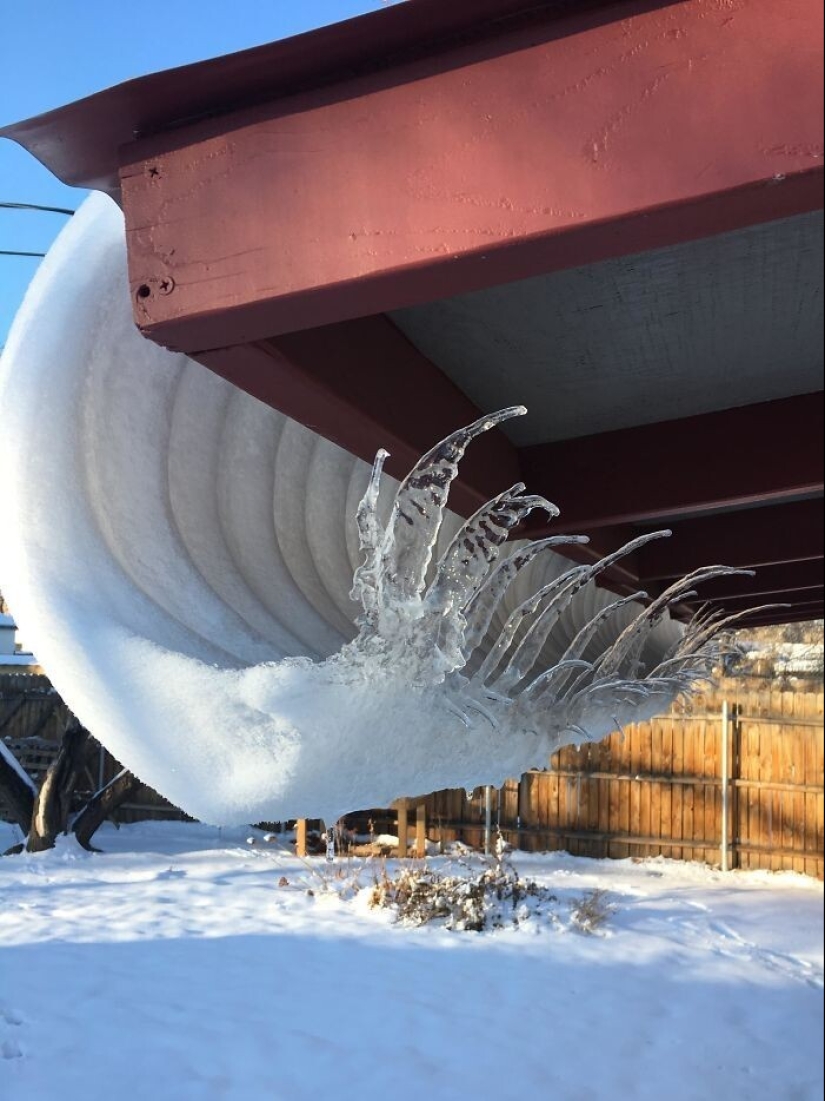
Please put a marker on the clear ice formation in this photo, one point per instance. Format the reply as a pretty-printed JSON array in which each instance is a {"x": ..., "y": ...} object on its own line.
[{"x": 180, "y": 557}]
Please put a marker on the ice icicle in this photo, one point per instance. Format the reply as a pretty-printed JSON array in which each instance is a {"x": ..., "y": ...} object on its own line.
[
  {"x": 519, "y": 615},
  {"x": 482, "y": 607},
  {"x": 625, "y": 644},
  {"x": 365, "y": 580},
  {"x": 419, "y": 507},
  {"x": 475, "y": 547}
]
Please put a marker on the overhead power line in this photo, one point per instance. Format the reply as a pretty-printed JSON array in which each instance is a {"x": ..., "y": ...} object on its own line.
[
  {"x": 36, "y": 206},
  {"x": 30, "y": 206}
]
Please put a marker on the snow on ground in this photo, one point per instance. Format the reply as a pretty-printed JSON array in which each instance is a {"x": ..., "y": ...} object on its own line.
[{"x": 175, "y": 967}]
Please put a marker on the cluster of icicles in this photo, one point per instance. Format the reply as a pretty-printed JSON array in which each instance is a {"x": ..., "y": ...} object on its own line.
[{"x": 436, "y": 632}]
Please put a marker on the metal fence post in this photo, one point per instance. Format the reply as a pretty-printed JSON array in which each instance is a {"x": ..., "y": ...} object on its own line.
[{"x": 488, "y": 819}]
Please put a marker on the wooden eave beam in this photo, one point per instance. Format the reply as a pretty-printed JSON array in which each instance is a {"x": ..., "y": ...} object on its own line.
[
  {"x": 798, "y": 597},
  {"x": 750, "y": 538},
  {"x": 768, "y": 452},
  {"x": 768, "y": 583},
  {"x": 584, "y": 133},
  {"x": 799, "y": 614},
  {"x": 786, "y": 610},
  {"x": 364, "y": 386},
  {"x": 802, "y": 599},
  {"x": 79, "y": 142}
]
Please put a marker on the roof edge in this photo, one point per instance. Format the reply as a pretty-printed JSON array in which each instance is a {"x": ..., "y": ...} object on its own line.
[{"x": 79, "y": 142}]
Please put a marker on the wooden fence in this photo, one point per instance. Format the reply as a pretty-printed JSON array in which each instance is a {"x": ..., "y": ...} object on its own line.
[
  {"x": 32, "y": 720},
  {"x": 657, "y": 789},
  {"x": 30, "y": 708},
  {"x": 660, "y": 789}
]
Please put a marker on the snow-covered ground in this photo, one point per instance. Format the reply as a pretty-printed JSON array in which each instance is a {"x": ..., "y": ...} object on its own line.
[{"x": 176, "y": 967}]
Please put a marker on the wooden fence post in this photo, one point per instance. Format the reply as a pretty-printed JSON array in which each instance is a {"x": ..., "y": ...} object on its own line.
[
  {"x": 735, "y": 773},
  {"x": 421, "y": 830},
  {"x": 301, "y": 837},
  {"x": 488, "y": 820},
  {"x": 401, "y": 811},
  {"x": 523, "y": 812}
]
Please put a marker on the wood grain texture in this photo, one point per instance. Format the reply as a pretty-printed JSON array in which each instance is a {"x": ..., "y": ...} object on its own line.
[{"x": 524, "y": 152}]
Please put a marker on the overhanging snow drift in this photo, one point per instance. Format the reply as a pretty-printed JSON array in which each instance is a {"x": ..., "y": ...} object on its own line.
[{"x": 181, "y": 558}]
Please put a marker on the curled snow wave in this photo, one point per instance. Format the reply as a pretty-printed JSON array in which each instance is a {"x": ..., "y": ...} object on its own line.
[{"x": 180, "y": 557}]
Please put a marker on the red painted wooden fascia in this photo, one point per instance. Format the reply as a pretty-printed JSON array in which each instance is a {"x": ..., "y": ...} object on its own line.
[{"x": 558, "y": 144}]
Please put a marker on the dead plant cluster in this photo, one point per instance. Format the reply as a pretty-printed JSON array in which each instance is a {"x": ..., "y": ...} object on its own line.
[
  {"x": 591, "y": 911},
  {"x": 473, "y": 901}
]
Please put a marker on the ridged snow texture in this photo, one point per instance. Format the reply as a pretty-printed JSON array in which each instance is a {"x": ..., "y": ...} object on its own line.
[{"x": 180, "y": 557}]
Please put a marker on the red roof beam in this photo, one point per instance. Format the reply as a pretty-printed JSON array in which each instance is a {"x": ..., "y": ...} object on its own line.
[
  {"x": 750, "y": 538},
  {"x": 760, "y": 453},
  {"x": 579, "y": 134},
  {"x": 79, "y": 142},
  {"x": 364, "y": 386},
  {"x": 775, "y": 611},
  {"x": 779, "y": 616},
  {"x": 812, "y": 594},
  {"x": 769, "y": 582},
  {"x": 795, "y": 598}
]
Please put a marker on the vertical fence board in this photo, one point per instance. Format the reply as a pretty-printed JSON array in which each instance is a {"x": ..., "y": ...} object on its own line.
[
  {"x": 535, "y": 789},
  {"x": 775, "y": 804},
  {"x": 666, "y": 789},
  {"x": 659, "y": 784},
  {"x": 647, "y": 789},
  {"x": 677, "y": 790},
  {"x": 815, "y": 765}
]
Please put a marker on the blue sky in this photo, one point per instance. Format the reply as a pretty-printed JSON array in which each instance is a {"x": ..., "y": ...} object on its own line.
[{"x": 56, "y": 51}]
